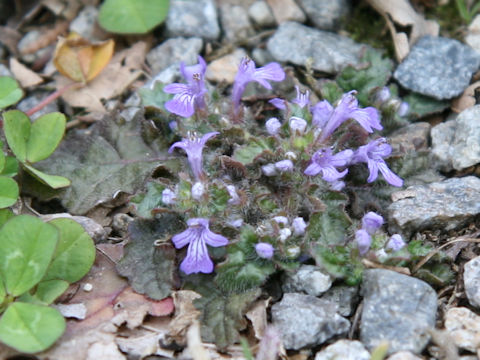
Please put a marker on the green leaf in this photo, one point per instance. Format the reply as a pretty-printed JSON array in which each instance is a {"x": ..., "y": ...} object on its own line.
[
  {"x": 45, "y": 134},
  {"x": 8, "y": 192},
  {"x": 54, "y": 181},
  {"x": 421, "y": 105},
  {"x": 149, "y": 257},
  {"x": 155, "y": 97},
  {"x": 145, "y": 203},
  {"x": 75, "y": 252},
  {"x": 247, "y": 153},
  {"x": 132, "y": 16},
  {"x": 26, "y": 248},
  {"x": 329, "y": 227},
  {"x": 48, "y": 291},
  {"x": 16, "y": 126},
  {"x": 11, "y": 167},
  {"x": 222, "y": 314},
  {"x": 10, "y": 92},
  {"x": 30, "y": 328},
  {"x": 5, "y": 214}
]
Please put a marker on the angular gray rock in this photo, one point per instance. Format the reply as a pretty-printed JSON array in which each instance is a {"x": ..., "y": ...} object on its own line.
[
  {"x": 325, "y": 14},
  {"x": 413, "y": 137},
  {"x": 345, "y": 350},
  {"x": 235, "y": 22},
  {"x": 346, "y": 297},
  {"x": 172, "y": 52},
  {"x": 444, "y": 205},
  {"x": 193, "y": 18},
  {"x": 398, "y": 309},
  {"x": 471, "y": 281},
  {"x": 261, "y": 14},
  {"x": 33, "y": 100},
  {"x": 296, "y": 43},
  {"x": 438, "y": 67},
  {"x": 308, "y": 279},
  {"x": 305, "y": 321},
  {"x": 463, "y": 325},
  {"x": 404, "y": 355},
  {"x": 85, "y": 23},
  {"x": 456, "y": 143}
]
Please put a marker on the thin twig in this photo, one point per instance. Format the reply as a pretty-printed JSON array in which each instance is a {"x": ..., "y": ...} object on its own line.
[{"x": 52, "y": 97}]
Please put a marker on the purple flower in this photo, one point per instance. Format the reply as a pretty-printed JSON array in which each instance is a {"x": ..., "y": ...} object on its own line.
[
  {"x": 302, "y": 98},
  {"x": 299, "y": 226},
  {"x": 269, "y": 170},
  {"x": 247, "y": 73},
  {"x": 373, "y": 154},
  {"x": 188, "y": 96},
  {"x": 346, "y": 109},
  {"x": 198, "y": 236},
  {"x": 371, "y": 222},
  {"x": 324, "y": 162},
  {"x": 193, "y": 146},
  {"x": 168, "y": 197},
  {"x": 363, "y": 240},
  {"x": 297, "y": 124},
  {"x": 321, "y": 112},
  {"x": 284, "y": 165},
  {"x": 273, "y": 126},
  {"x": 198, "y": 189},
  {"x": 264, "y": 250},
  {"x": 278, "y": 103},
  {"x": 396, "y": 242}
]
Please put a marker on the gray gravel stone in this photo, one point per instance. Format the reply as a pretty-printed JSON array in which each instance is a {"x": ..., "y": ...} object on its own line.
[
  {"x": 30, "y": 38},
  {"x": 456, "y": 143},
  {"x": 346, "y": 297},
  {"x": 296, "y": 43},
  {"x": 305, "y": 321},
  {"x": 286, "y": 10},
  {"x": 261, "y": 14},
  {"x": 33, "y": 100},
  {"x": 85, "y": 23},
  {"x": 5, "y": 71},
  {"x": 94, "y": 229},
  {"x": 471, "y": 280},
  {"x": 345, "y": 350},
  {"x": 443, "y": 205},
  {"x": 413, "y": 137},
  {"x": 193, "y": 18},
  {"x": 172, "y": 52},
  {"x": 438, "y": 67},
  {"x": 325, "y": 14},
  {"x": 404, "y": 355},
  {"x": 308, "y": 279},
  {"x": 235, "y": 22},
  {"x": 398, "y": 309},
  {"x": 463, "y": 325}
]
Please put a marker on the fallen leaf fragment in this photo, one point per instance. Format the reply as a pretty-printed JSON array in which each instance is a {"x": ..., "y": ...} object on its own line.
[
  {"x": 185, "y": 314},
  {"x": 258, "y": 317},
  {"x": 402, "y": 13},
  {"x": 24, "y": 75},
  {"x": 194, "y": 343},
  {"x": 467, "y": 99}
]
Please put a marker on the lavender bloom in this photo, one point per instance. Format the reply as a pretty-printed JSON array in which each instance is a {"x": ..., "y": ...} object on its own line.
[
  {"x": 193, "y": 146},
  {"x": 273, "y": 126},
  {"x": 191, "y": 95},
  {"x": 321, "y": 112},
  {"x": 264, "y": 250},
  {"x": 281, "y": 220},
  {"x": 198, "y": 236},
  {"x": 168, "y": 197},
  {"x": 247, "y": 73},
  {"x": 302, "y": 98},
  {"x": 371, "y": 222},
  {"x": 269, "y": 170},
  {"x": 297, "y": 124},
  {"x": 278, "y": 103},
  {"x": 396, "y": 242},
  {"x": 363, "y": 240},
  {"x": 299, "y": 226},
  {"x": 346, "y": 109},
  {"x": 284, "y": 165},
  {"x": 373, "y": 154},
  {"x": 324, "y": 162}
]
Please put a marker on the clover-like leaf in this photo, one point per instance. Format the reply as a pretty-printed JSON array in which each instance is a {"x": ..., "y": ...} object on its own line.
[
  {"x": 16, "y": 126},
  {"x": 45, "y": 134},
  {"x": 8, "y": 192},
  {"x": 75, "y": 252},
  {"x": 26, "y": 248},
  {"x": 5, "y": 215},
  {"x": 132, "y": 16},
  {"x": 54, "y": 181},
  {"x": 30, "y": 328},
  {"x": 10, "y": 92},
  {"x": 10, "y": 167}
]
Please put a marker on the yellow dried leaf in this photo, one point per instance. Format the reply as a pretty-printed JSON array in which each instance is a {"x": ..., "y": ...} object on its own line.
[{"x": 80, "y": 60}]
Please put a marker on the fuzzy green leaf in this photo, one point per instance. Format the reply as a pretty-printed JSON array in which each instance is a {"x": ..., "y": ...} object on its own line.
[
  {"x": 45, "y": 134},
  {"x": 155, "y": 97},
  {"x": 8, "y": 192},
  {"x": 149, "y": 257},
  {"x": 27, "y": 245},
  {"x": 246, "y": 154},
  {"x": 16, "y": 126},
  {"x": 132, "y": 16},
  {"x": 145, "y": 203},
  {"x": 421, "y": 105},
  {"x": 30, "y": 328},
  {"x": 54, "y": 181},
  {"x": 10, "y": 92},
  {"x": 329, "y": 227},
  {"x": 75, "y": 252}
]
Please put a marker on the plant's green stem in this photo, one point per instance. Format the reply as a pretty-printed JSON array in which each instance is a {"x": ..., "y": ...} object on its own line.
[{"x": 52, "y": 97}]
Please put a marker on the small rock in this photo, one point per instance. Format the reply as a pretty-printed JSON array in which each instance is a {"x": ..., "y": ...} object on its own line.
[
  {"x": 261, "y": 14},
  {"x": 308, "y": 279},
  {"x": 473, "y": 34},
  {"x": 225, "y": 68},
  {"x": 235, "y": 22},
  {"x": 120, "y": 223},
  {"x": 398, "y": 309},
  {"x": 456, "y": 143},
  {"x": 193, "y": 18},
  {"x": 444, "y": 205},
  {"x": 471, "y": 279},
  {"x": 31, "y": 38},
  {"x": 296, "y": 43},
  {"x": 463, "y": 326},
  {"x": 85, "y": 24},
  {"x": 345, "y": 350},
  {"x": 305, "y": 321},
  {"x": 4, "y": 70},
  {"x": 76, "y": 311},
  {"x": 404, "y": 355},
  {"x": 438, "y": 67},
  {"x": 261, "y": 57},
  {"x": 174, "y": 51},
  {"x": 31, "y": 101},
  {"x": 325, "y": 14},
  {"x": 286, "y": 10},
  {"x": 413, "y": 137},
  {"x": 346, "y": 297},
  {"x": 93, "y": 229}
]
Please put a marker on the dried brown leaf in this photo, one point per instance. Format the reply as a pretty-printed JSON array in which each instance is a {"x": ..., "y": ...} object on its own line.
[
  {"x": 185, "y": 314},
  {"x": 258, "y": 317},
  {"x": 24, "y": 75},
  {"x": 465, "y": 100}
]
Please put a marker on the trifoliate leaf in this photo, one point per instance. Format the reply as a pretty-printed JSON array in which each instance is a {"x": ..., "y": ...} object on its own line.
[
  {"x": 10, "y": 92},
  {"x": 8, "y": 192}
]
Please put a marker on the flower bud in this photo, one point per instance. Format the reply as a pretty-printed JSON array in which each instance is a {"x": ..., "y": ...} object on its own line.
[
  {"x": 273, "y": 126},
  {"x": 269, "y": 170},
  {"x": 234, "y": 198},
  {"x": 299, "y": 226},
  {"x": 363, "y": 240},
  {"x": 284, "y": 165},
  {"x": 297, "y": 124},
  {"x": 264, "y": 250},
  {"x": 383, "y": 94},
  {"x": 168, "y": 197},
  {"x": 371, "y": 222},
  {"x": 198, "y": 190},
  {"x": 285, "y": 233},
  {"x": 281, "y": 220},
  {"x": 396, "y": 242},
  {"x": 291, "y": 155},
  {"x": 292, "y": 252},
  {"x": 403, "y": 109}
]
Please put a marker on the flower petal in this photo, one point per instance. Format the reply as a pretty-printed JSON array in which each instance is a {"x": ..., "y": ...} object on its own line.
[
  {"x": 213, "y": 239},
  {"x": 182, "y": 104},
  {"x": 185, "y": 237},
  {"x": 332, "y": 174},
  {"x": 368, "y": 118},
  {"x": 278, "y": 103},
  {"x": 321, "y": 112},
  {"x": 313, "y": 169},
  {"x": 389, "y": 175},
  {"x": 272, "y": 71},
  {"x": 176, "y": 88},
  {"x": 197, "y": 259},
  {"x": 373, "y": 168}
]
